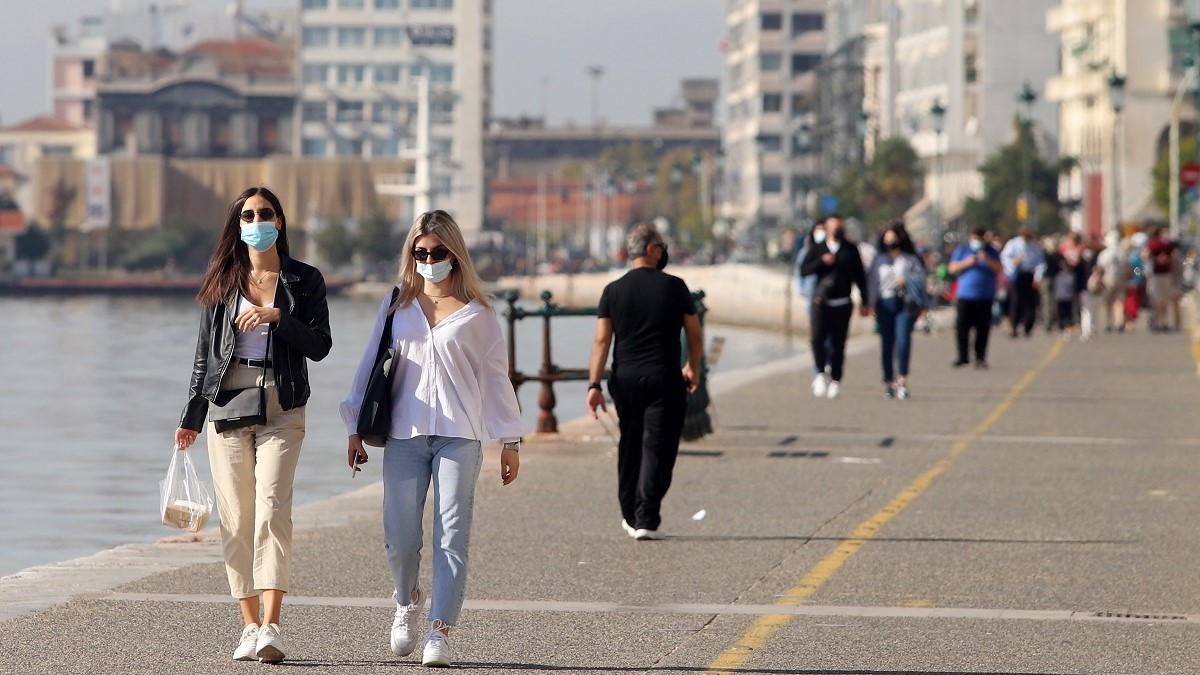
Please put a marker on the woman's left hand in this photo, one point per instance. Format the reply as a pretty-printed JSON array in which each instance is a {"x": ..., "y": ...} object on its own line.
[
  {"x": 510, "y": 462},
  {"x": 257, "y": 316}
]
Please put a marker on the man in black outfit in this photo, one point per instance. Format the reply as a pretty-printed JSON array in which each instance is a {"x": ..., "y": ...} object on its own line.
[
  {"x": 643, "y": 313},
  {"x": 838, "y": 267}
]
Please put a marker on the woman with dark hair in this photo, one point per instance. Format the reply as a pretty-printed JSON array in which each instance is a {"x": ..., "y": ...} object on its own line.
[
  {"x": 263, "y": 315},
  {"x": 450, "y": 390},
  {"x": 895, "y": 266}
]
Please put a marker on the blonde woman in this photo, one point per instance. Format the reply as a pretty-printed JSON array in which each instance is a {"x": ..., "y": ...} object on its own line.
[{"x": 450, "y": 389}]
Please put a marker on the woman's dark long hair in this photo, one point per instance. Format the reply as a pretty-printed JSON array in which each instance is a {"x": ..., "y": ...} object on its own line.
[
  {"x": 901, "y": 232},
  {"x": 229, "y": 269}
]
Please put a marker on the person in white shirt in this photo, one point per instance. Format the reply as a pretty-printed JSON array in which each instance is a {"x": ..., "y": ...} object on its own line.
[
  {"x": 450, "y": 389},
  {"x": 1024, "y": 264}
]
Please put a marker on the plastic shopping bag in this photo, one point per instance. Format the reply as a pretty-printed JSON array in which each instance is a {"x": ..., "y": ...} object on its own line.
[{"x": 185, "y": 501}]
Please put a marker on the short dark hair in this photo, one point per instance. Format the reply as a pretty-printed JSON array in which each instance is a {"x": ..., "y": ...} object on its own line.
[
  {"x": 980, "y": 232},
  {"x": 834, "y": 216}
]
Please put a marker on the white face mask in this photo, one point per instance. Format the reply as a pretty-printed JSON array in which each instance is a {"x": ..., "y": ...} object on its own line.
[
  {"x": 435, "y": 272},
  {"x": 819, "y": 237}
]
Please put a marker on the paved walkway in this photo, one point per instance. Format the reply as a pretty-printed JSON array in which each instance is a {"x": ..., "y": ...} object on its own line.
[{"x": 1036, "y": 517}]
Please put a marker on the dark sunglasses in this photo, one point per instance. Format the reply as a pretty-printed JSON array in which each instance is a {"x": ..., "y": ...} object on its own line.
[
  {"x": 436, "y": 255},
  {"x": 661, "y": 244},
  {"x": 266, "y": 213}
]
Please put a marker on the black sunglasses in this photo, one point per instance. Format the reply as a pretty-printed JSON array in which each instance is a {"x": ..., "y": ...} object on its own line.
[
  {"x": 661, "y": 244},
  {"x": 266, "y": 213},
  {"x": 437, "y": 255}
]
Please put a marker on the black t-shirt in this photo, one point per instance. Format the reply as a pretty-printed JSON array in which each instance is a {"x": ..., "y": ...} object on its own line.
[{"x": 646, "y": 307}]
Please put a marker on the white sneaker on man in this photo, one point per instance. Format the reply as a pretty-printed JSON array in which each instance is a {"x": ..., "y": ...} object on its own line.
[
  {"x": 247, "y": 649},
  {"x": 642, "y": 534},
  {"x": 820, "y": 385},
  {"x": 270, "y": 644},
  {"x": 404, "y": 631},
  {"x": 629, "y": 529},
  {"x": 834, "y": 390},
  {"x": 437, "y": 648}
]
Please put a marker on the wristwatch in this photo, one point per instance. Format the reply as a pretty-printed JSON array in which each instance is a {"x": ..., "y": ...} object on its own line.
[
  {"x": 512, "y": 445},
  {"x": 594, "y": 385}
]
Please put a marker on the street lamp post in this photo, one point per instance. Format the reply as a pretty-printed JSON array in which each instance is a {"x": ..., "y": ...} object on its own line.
[
  {"x": 1116, "y": 96},
  {"x": 803, "y": 138},
  {"x": 937, "y": 114},
  {"x": 1027, "y": 96}
]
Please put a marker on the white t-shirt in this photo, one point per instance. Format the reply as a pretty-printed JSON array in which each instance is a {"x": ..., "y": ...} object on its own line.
[{"x": 251, "y": 345}]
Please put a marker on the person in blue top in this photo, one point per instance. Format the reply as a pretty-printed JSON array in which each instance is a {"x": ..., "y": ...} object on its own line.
[{"x": 976, "y": 264}]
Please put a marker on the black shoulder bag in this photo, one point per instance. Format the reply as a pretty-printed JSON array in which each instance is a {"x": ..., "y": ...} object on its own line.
[
  {"x": 375, "y": 413},
  {"x": 237, "y": 408}
]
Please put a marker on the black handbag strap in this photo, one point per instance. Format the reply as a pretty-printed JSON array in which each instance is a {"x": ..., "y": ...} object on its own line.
[{"x": 385, "y": 339}]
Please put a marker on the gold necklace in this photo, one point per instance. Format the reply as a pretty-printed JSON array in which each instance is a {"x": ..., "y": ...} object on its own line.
[{"x": 261, "y": 279}]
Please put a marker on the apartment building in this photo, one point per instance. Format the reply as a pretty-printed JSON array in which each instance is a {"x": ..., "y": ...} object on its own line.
[
  {"x": 772, "y": 50},
  {"x": 970, "y": 56},
  {"x": 1146, "y": 42},
  {"x": 361, "y": 62}
]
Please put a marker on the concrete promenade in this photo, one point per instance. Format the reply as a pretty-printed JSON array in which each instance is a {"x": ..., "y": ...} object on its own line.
[{"x": 1035, "y": 517}]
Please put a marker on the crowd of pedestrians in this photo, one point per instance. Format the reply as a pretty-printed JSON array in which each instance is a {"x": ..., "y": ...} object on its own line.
[{"x": 1072, "y": 284}]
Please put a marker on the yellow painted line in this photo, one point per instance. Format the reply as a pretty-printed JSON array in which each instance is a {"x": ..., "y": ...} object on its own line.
[{"x": 757, "y": 635}]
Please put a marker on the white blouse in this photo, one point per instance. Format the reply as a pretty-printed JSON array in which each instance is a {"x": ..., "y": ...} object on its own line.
[{"x": 449, "y": 380}]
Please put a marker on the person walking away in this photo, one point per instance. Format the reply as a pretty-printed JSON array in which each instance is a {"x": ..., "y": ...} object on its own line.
[
  {"x": 893, "y": 268},
  {"x": 839, "y": 268},
  {"x": 640, "y": 318},
  {"x": 1113, "y": 264},
  {"x": 1162, "y": 252},
  {"x": 264, "y": 316},
  {"x": 450, "y": 389},
  {"x": 1025, "y": 264},
  {"x": 1135, "y": 285},
  {"x": 978, "y": 268},
  {"x": 1093, "y": 289}
]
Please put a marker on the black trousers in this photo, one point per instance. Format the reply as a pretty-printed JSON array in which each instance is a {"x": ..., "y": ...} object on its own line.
[
  {"x": 651, "y": 409},
  {"x": 1024, "y": 304},
  {"x": 832, "y": 324},
  {"x": 977, "y": 315}
]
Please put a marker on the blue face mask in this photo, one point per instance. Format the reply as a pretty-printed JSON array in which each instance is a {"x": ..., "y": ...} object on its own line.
[
  {"x": 435, "y": 272},
  {"x": 260, "y": 236},
  {"x": 976, "y": 245}
]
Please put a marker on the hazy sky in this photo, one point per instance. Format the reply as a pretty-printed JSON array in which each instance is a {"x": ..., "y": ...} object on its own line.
[{"x": 645, "y": 47}]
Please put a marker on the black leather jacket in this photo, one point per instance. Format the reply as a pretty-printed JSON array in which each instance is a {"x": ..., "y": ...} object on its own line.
[{"x": 301, "y": 332}]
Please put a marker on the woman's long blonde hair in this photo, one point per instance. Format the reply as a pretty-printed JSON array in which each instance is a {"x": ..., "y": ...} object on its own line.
[{"x": 466, "y": 283}]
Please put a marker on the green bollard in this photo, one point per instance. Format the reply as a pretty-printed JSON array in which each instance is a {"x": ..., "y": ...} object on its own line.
[{"x": 697, "y": 423}]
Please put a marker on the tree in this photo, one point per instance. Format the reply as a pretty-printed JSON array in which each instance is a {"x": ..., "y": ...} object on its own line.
[
  {"x": 1004, "y": 183},
  {"x": 335, "y": 242},
  {"x": 179, "y": 242},
  {"x": 33, "y": 244},
  {"x": 377, "y": 241},
  {"x": 1162, "y": 171},
  {"x": 884, "y": 189}
]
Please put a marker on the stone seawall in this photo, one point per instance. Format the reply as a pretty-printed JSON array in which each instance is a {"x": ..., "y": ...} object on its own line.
[{"x": 739, "y": 295}]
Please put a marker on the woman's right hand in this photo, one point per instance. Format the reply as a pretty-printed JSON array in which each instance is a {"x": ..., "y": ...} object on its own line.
[
  {"x": 356, "y": 454},
  {"x": 184, "y": 438}
]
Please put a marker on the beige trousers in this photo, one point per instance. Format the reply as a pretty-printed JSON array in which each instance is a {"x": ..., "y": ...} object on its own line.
[{"x": 252, "y": 470}]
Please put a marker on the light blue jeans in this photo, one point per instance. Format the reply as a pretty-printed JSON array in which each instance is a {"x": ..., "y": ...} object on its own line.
[{"x": 408, "y": 466}]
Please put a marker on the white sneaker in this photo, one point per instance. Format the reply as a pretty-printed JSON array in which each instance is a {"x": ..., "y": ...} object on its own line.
[
  {"x": 247, "y": 649},
  {"x": 901, "y": 391},
  {"x": 820, "y": 386},
  {"x": 404, "y": 634},
  {"x": 270, "y": 644},
  {"x": 437, "y": 648},
  {"x": 642, "y": 534},
  {"x": 629, "y": 529},
  {"x": 835, "y": 389}
]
